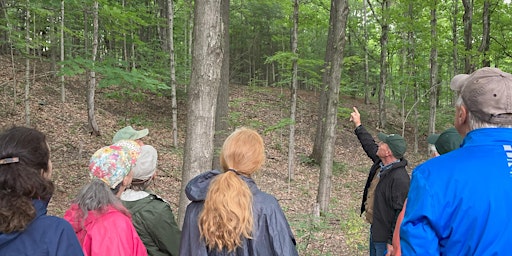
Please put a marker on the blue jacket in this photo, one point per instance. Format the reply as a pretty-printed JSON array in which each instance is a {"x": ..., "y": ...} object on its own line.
[
  {"x": 460, "y": 202},
  {"x": 271, "y": 234},
  {"x": 45, "y": 235}
]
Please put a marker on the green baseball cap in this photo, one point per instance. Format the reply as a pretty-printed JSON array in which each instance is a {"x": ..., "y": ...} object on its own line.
[
  {"x": 396, "y": 143},
  {"x": 446, "y": 141},
  {"x": 128, "y": 133}
]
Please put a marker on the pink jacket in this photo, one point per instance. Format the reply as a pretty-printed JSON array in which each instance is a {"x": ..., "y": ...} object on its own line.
[{"x": 109, "y": 233}]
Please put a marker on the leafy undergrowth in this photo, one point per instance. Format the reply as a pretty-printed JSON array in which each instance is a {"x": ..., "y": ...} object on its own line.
[{"x": 340, "y": 231}]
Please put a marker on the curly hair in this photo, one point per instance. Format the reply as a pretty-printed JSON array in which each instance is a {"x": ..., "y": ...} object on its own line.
[
  {"x": 22, "y": 181},
  {"x": 227, "y": 215}
]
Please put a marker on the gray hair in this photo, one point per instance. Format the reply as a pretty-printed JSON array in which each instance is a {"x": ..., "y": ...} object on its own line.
[
  {"x": 474, "y": 122},
  {"x": 432, "y": 148},
  {"x": 97, "y": 196}
]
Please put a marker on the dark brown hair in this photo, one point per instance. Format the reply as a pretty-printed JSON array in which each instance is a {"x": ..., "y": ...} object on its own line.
[{"x": 21, "y": 182}]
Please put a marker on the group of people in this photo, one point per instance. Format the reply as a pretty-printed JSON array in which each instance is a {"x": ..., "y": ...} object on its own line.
[
  {"x": 458, "y": 201},
  {"x": 116, "y": 214}
]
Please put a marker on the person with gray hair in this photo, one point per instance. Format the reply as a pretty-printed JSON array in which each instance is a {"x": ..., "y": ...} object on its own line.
[
  {"x": 151, "y": 215},
  {"x": 459, "y": 202},
  {"x": 101, "y": 222}
]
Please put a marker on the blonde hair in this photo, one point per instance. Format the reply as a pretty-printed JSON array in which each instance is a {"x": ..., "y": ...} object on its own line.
[{"x": 227, "y": 213}]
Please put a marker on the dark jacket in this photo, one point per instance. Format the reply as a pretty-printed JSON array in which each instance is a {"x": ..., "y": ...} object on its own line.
[
  {"x": 390, "y": 193},
  {"x": 154, "y": 221},
  {"x": 45, "y": 235},
  {"x": 271, "y": 233}
]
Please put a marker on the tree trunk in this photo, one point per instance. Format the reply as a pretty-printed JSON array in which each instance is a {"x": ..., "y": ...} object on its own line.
[
  {"x": 221, "y": 115},
  {"x": 291, "y": 142},
  {"x": 62, "y": 85},
  {"x": 433, "y": 69},
  {"x": 383, "y": 63},
  {"x": 468, "y": 30},
  {"x": 172, "y": 71},
  {"x": 202, "y": 96},
  {"x": 324, "y": 186},
  {"x": 92, "y": 75},
  {"x": 366, "y": 67},
  {"x": 27, "y": 65},
  {"x": 455, "y": 39},
  {"x": 316, "y": 154},
  {"x": 486, "y": 35}
]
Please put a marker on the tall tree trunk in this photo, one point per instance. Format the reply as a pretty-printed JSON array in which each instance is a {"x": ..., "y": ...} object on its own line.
[
  {"x": 62, "y": 85},
  {"x": 486, "y": 35},
  {"x": 172, "y": 71},
  {"x": 92, "y": 75},
  {"x": 27, "y": 64},
  {"x": 317, "y": 152},
  {"x": 202, "y": 96},
  {"x": 468, "y": 31},
  {"x": 366, "y": 67},
  {"x": 340, "y": 23},
  {"x": 383, "y": 62},
  {"x": 455, "y": 39},
  {"x": 433, "y": 68},
  {"x": 294, "y": 41},
  {"x": 221, "y": 115}
]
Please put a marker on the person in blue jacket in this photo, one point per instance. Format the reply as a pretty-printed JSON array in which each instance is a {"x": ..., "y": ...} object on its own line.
[
  {"x": 25, "y": 190},
  {"x": 229, "y": 214},
  {"x": 459, "y": 203}
]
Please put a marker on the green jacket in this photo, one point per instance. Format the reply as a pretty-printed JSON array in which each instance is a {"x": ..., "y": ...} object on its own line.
[{"x": 154, "y": 221}]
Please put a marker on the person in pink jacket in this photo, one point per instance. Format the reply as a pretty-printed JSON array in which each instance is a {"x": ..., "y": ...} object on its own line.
[{"x": 101, "y": 222}]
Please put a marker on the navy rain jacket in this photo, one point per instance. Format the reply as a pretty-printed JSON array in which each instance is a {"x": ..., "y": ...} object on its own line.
[{"x": 271, "y": 233}]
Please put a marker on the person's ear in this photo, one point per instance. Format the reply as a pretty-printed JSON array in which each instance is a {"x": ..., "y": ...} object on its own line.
[{"x": 462, "y": 115}]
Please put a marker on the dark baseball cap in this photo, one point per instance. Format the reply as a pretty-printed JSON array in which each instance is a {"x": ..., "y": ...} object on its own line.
[
  {"x": 396, "y": 143},
  {"x": 487, "y": 94},
  {"x": 446, "y": 141}
]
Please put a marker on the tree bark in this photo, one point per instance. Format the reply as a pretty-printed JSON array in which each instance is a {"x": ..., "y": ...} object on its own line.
[
  {"x": 221, "y": 115},
  {"x": 383, "y": 62},
  {"x": 27, "y": 64},
  {"x": 62, "y": 85},
  {"x": 202, "y": 96},
  {"x": 467, "y": 19},
  {"x": 433, "y": 69},
  {"x": 486, "y": 35},
  {"x": 294, "y": 85},
  {"x": 340, "y": 22},
  {"x": 172, "y": 71},
  {"x": 92, "y": 75}
]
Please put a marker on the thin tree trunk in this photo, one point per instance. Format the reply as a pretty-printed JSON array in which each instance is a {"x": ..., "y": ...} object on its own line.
[
  {"x": 27, "y": 65},
  {"x": 383, "y": 63},
  {"x": 172, "y": 71},
  {"x": 202, "y": 96},
  {"x": 221, "y": 115},
  {"x": 366, "y": 66},
  {"x": 486, "y": 31},
  {"x": 324, "y": 186},
  {"x": 92, "y": 75},
  {"x": 62, "y": 85},
  {"x": 455, "y": 39},
  {"x": 433, "y": 69},
  {"x": 468, "y": 30},
  {"x": 291, "y": 142}
]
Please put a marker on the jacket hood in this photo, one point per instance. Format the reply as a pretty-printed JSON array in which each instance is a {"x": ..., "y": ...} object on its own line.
[
  {"x": 197, "y": 187},
  {"x": 9, "y": 237}
]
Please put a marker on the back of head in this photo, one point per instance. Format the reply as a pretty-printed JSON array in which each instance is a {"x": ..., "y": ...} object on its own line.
[
  {"x": 24, "y": 156},
  {"x": 446, "y": 141},
  {"x": 243, "y": 151},
  {"x": 97, "y": 196},
  {"x": 487, "y": 95},
  {"x": 145, "y": 167},
  {"x": 227, "y": 213}
]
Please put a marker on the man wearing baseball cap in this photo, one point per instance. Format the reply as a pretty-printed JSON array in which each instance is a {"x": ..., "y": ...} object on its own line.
[
  {"x": 386, "y": 187},
  {"x": 459, "y": 203}
]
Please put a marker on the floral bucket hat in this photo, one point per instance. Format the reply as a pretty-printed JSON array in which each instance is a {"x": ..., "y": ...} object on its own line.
[{"x": 112, "y": 163}]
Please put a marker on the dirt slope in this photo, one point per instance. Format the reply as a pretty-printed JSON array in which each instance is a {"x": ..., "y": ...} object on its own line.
[{"x": 341, "y": 232}]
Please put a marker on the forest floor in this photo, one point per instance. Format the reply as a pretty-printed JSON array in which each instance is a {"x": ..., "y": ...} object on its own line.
[{"x": 340, "y": 232}]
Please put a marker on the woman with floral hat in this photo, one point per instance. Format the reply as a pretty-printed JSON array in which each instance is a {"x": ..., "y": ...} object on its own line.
[{"x": 103, "y": 225}]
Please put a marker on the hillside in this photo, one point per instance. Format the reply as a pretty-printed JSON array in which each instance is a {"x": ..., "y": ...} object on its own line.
[{"x": 341, "y": 232}]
